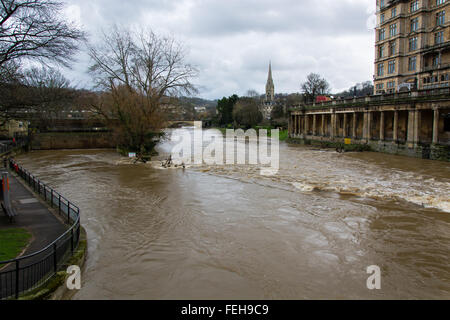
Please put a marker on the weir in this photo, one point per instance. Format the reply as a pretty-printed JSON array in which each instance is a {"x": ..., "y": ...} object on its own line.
[{"x": 415, "y": 124}]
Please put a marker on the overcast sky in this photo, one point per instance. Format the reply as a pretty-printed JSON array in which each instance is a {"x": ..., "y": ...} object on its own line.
[{"x": 232, "y": 41}]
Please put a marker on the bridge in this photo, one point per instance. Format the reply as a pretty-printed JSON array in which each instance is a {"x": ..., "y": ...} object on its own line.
[{"x": 188, "y": 123}]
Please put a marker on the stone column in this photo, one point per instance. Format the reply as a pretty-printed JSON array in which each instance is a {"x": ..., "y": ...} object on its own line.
[
  {"x": 382, "y": 126},
  {"x": 365, "y": 135},
  {"x": 300, "y": 125},
  {"x": 344, "y": 130},
  {"x": 436, "y": 126},
  {"x": 314, "y": 128},
  {"x": 323, "y": 125},
  {"x": 333, "y": 124},
  {"x": 411, "y": 127},
  {"x": 295, "y": 125},
  {"x": 369, "y": 125},
  {"x": 417, "y": 118},
  {"x": 354, "y": 126},
  {"x": 306, "y": 125},
  {"x": 395, "y": 128}
]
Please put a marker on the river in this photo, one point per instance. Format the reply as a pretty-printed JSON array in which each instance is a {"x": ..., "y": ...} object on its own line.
[{"x": 226, "y": 232}]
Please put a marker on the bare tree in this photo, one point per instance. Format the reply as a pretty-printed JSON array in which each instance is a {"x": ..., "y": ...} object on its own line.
[
  {"x": 34, "y": 29},
  {"x": 152, "y": 69},
  {"x": 39, "y": 93},
  {"x": 315, "y": 85},
  {"x": 251, "y": 93},
  {"x": 49, "y": 91}
]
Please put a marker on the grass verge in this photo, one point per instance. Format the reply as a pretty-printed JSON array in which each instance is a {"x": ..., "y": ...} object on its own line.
[{"x": 13, "y": 241}]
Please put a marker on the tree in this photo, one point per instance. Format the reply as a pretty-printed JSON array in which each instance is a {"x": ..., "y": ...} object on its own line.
[
  {"x": 246, "y": 113},
  {"x": 315, "y": 85},
  {"x": 140, "y": 71},
  {"x": 37, "y": 93},
  {"x": 278, "y": 112},
  {"x": 251, "y": 93},
  {"x": 35, "y": 30},
  {"x": 48, "y": 91},
  {"x": 225, "y": 108},
  {"x": 359, "y": 90}
]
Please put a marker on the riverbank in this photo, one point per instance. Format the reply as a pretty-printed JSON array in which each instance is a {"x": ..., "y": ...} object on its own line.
[{"x": 50, "y": 238}]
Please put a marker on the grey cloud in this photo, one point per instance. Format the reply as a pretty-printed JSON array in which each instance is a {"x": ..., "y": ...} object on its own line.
[{"x": 231, "y": 41}]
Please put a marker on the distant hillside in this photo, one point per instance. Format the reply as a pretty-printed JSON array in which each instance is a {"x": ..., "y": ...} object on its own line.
[{"x": 198, "y": 102}]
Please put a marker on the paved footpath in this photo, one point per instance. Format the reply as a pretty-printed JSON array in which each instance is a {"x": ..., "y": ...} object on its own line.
[{"x": 32, "y": 215}]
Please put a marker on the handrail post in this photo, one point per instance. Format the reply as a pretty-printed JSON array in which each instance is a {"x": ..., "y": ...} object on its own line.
[
  {"x": 17, "y": 279},
  {"x": 55, "y": 261}
]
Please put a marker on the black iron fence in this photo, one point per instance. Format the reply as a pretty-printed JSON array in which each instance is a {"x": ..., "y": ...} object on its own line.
[{"x": 25, "y": 273}]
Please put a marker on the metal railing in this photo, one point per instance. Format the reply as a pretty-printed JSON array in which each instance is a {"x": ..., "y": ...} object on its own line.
[
  {"x": 433, "y": 93},
  {"x": 25, "y": 273},
  {"x": 7, "y": 147}
]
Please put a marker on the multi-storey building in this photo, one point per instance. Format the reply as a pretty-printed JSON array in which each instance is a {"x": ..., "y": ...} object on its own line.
[{"x": 412, "y": 45}]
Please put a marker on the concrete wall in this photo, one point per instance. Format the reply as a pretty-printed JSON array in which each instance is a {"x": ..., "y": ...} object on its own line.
[{"x": 72, "y": 140}]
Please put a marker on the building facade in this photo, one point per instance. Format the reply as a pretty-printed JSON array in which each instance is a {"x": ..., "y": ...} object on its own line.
[
  {"x": 412, "y": 46},
  {"x": 414, "y": 124}
]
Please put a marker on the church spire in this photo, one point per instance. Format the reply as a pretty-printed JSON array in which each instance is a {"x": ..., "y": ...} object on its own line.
[
  {"x": 270, "y": 88},
  {"x": 270, "y": 72}
]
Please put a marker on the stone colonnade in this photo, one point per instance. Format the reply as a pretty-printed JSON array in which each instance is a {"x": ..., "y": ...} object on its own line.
[{"x": 409, "y": 125}]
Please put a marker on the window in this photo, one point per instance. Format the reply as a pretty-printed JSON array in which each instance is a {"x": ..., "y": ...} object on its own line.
[
  {"x": 382, "y": 18},
  {"x": 393, "y": 30},
  {"x": 380, "y": 86},
  {"x": 412, "y": 64},
  {"x": 440, "y": 18},
  {"x": 414, "y": 24},
  {"x": 391, "y": 86},
  {"x": 392, "y": 48},
  {"x": 412, "y": 43},
  {"x": 436, "y": 61},
  {"x": 391, "y": 66},
  {"x": 439, "y": 37},
  {"x": 381, "y": 52},
  {"x": 380, "y": 69},
  {"x": 381, "y": 35},
  {"x": 381, "y": 3},
  {"x": 393, "y": 12},
  {"x": 414, "y": 5},
  {"x": 439, "y": 2}
]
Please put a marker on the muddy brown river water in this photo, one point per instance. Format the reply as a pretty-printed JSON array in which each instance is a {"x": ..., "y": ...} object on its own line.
[{"x": 226, "y": 232}]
